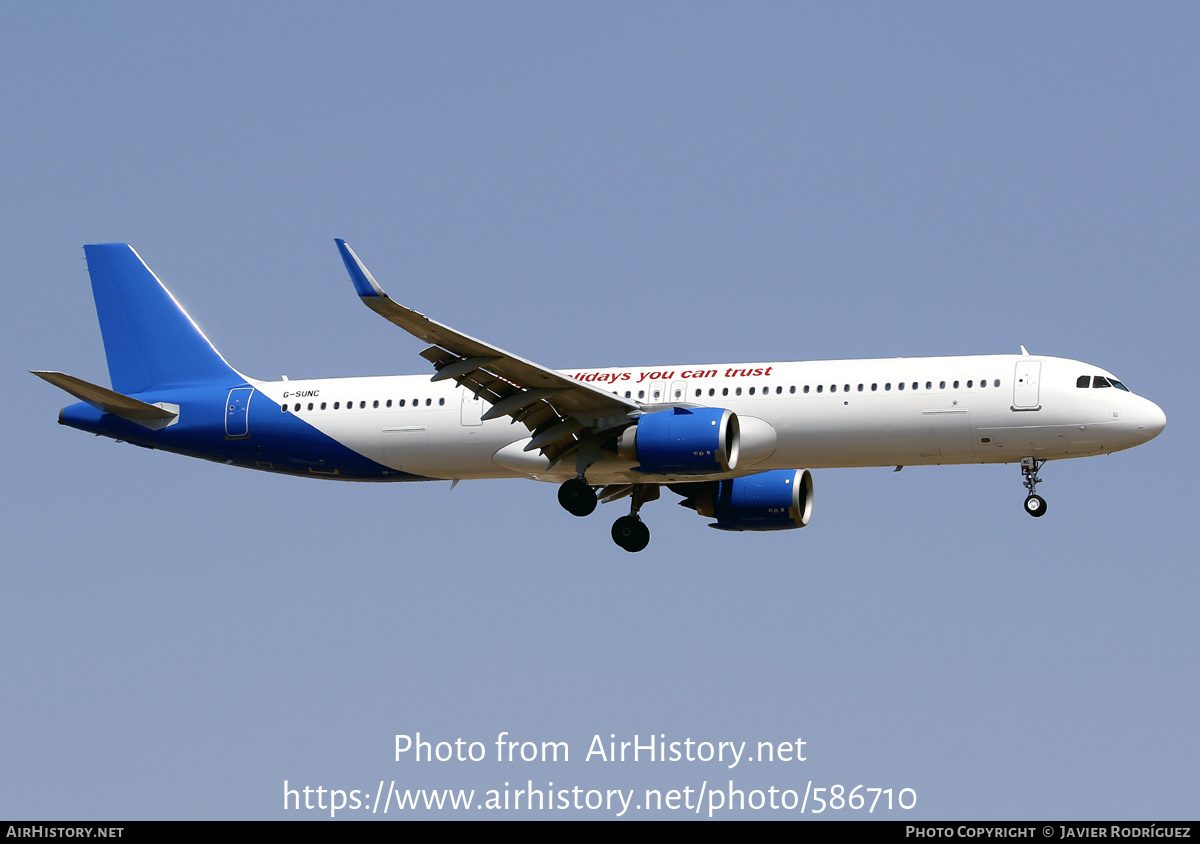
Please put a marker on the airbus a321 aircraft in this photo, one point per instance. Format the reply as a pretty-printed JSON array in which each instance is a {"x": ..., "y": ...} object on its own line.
[{"x": 736, "y": 441}]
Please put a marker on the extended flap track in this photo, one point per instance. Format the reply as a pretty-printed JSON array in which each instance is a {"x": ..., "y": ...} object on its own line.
[{"x": 554, "y": 433}]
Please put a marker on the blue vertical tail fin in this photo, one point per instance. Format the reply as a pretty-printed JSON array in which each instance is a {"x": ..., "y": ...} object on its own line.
[{"x": 149, "y": 340}]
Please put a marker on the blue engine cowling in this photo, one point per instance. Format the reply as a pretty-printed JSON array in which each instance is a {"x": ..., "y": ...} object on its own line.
[
  {"x": 778, "y": 500},
  {"x": 683, "y": 441}
]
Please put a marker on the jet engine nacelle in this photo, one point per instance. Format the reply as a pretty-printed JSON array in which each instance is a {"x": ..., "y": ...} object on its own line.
[
  {"x": 683, "y": 441},
  {"x": 777, "y": 500}
]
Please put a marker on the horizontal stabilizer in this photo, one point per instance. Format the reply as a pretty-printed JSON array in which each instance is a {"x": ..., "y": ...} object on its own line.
[{"x": 106, "y": 400}]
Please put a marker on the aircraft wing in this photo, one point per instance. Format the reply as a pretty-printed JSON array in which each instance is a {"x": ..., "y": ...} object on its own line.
[{"x": 558, "y": 410}]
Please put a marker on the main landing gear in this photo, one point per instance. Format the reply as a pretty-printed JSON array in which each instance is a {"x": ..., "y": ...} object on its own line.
[
  {"x": 1035, "y": 505},
  {"x": 629, "y": 532},
  {"x": 576, "y": 497}
]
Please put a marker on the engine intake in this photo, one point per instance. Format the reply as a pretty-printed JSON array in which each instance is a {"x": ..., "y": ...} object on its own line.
[
  {"x": 683, "y": 441},
  {"x": 777, "y": 500}
]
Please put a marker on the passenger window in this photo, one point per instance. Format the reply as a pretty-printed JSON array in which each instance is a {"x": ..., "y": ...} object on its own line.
[
  {"x": 887, "y": 386},
  {"x": 846, "y": 389},
  {"x": 738, "y": 391},
  {"x": 428, "y": 402},
  {"x": 983, "y": 383},
  {"x": 860, "y": 388},
  {"x": 641, "y": 394},
  {"x": 441, "y": 402},
  {"x": 874, "y": 387},
  {"x": 751, "y": 391},
  {"x": 697, "y": 394},
  {"x": 956, "y": 385},
  {"x": 336, "y": 405},
  {"x": 928, "y": 385},
  {"x": 283, "y": 407},
  {"x": 900, "y": 386},
  {"x": 792, "y": 389},
  {"x": 297, "y": 407},
  {"x": 970, "y": 384},
  {"x": 322, "y": 405},
  {"x": 805, "y": 388},
  {"x": 833, "y": 388},
  {"x": 724, "y": 391},
  {"x": 712, "y": 391},
  {"x": 996, "y": 383},
  {"x": 399, "y": 403},
  {"x": 375, "y": 403},
  {"x": 310, "y": 405},
  {"x": 389, "y": 404},
  {"x": 820, "y": 388},
  {"x": 941, "y": 385}
]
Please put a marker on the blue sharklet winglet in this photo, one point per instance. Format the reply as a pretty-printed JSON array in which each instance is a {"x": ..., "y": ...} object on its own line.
[{"x": 364, "y": 283}]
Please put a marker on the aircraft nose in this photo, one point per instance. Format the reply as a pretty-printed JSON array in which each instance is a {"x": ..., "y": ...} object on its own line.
[{"x": 1151, "y": 420}]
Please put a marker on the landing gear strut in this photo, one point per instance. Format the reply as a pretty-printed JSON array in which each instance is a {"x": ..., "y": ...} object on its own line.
[
  {"x": 1035, "y": 505},
  {"x": 576, "y": 497},
  {"x": 630, "y": 532}
]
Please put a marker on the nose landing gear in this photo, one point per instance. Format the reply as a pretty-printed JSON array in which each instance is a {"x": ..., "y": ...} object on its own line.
[{"x": 1035, "y": 505}]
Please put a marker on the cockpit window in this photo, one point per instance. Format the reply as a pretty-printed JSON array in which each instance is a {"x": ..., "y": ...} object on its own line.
[
  {"x": 1100, "y": 381},
  {"x": 1083, "y": 381},
  {"x": 1118, "y": 384}
]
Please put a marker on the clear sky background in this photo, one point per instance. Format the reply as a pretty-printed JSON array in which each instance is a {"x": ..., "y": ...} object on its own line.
[{"x": 602, "y": 185}]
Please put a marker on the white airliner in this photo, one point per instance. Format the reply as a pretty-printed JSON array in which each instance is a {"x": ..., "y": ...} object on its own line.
[{"x": 736, "y": 441}]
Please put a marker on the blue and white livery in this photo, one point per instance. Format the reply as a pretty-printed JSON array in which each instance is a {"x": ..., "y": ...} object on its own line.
[{"x": 736, "y": 441}]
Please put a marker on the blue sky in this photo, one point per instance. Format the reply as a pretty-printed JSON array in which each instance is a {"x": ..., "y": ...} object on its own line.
[{"x": 602, "y": 185}]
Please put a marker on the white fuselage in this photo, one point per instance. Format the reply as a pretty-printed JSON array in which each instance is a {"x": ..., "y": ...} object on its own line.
[{"x": 819, "y": 414}]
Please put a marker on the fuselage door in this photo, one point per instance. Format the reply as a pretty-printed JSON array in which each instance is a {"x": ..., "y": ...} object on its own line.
[
  {"x": 1026, "y": 384},
  {"x": 678, "y": 391},
  {"x": 472, "y": 408},
  {"x": 237, "y": 420}
]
